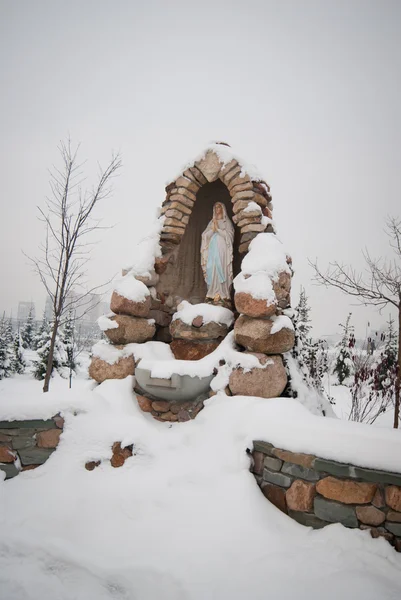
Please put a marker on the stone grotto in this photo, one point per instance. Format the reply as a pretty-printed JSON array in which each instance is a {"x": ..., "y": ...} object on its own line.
[{"x": 205, "y": 304}]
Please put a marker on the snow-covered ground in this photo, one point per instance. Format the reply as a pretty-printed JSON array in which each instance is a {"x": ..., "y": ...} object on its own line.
[{"x": 183, "y": 519}]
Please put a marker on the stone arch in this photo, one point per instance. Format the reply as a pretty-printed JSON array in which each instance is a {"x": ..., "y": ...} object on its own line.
[{"x": 187, "y": 210}]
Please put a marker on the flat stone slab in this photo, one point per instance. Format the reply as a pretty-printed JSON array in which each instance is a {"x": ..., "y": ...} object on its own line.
[
  {"x": 393, "y": 527},
  {"x": 34, "y": 456},
  {"x": 273, "y": 463},
  {"x": 326, "y": 510},
  {"x": 344, "y": 470},
  {"x": 264, "y": 447},
  {"x": 22, "y": 441},
  {"x": 277, "y": 478},
  {"x": 9, "y": 469},
  {"x": 34, "y": 424},
  {"x": 300, "y": 472},
  {"x": 307, "y": 519},
  {"x": 376, "y": 476},
  {"x": 332, "y": 467}
]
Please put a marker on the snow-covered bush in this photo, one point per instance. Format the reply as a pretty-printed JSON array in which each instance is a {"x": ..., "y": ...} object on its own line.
[
  {"x": 17, "y": 358},
  {"x": 6, "y": 339},
  {"x": 59, "y": 357},
  {"x": 375, "y": 370}
]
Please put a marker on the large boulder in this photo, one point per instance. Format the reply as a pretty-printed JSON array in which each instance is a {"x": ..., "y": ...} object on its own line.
[
  {"x": 130, "y": 330},
  {"x": 189, "y": 350},
  {"x": 267, "y": 382},
  {"x": 100, "y": 370},
  {"x": 123, "y": 306},
  {"x": 246, "y": 304},
  {"x": 208, "y": 331},
  {"x": 264, "y": 335}
]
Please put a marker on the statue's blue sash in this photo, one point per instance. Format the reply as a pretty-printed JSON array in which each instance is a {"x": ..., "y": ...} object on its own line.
[{"x": 213, "y": 261}]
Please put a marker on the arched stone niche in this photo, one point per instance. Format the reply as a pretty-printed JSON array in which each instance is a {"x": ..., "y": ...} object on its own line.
[
  {"x": 188, "y": 208},
  {"x": 183, "y": 276}
]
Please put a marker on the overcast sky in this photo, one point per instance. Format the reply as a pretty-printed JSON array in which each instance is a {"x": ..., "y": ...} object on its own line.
[{"x": 308, "y": 91}]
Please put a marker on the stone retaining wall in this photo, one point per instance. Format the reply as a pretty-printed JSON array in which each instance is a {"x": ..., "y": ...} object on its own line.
[
  {"x": 28, "y": 444},
  {"x": 317, "y": 492}
]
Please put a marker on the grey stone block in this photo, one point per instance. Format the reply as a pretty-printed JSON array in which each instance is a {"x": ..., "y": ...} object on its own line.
[
  {"x": 334, "y": 512},
  {"x": 273, "y": 463},
  {"x": 17, "y": 432},
  {"x": 393, "y": 527},
  {"x": 22, "y": 441},
  {"x": 34, "y": 423},
  {"x": 332, "y": 467},
  {"x": 300, "y": 472},
  {"x": 264, "y": 447},
  {"x": 9, "y": 469},
  {"x": 34, "y": 456},
  {"x": 376, "y": 476},
  {"x": 307, "y": 519},
  {"x": 277, "y": 478}
]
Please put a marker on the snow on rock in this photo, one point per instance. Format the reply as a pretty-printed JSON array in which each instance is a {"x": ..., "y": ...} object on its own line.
[
  {"x": 106, "y": 323},
  {"x": 265, "y": 260},
  {"x": 205, "y": 366},
  {"x": 187, "y": 312},
  {"x": 266, "y": 253},
  {"x": 225, "y": 155},
  {"x": 258, "y": 285},
  {"x": 131, "y": 288},
  {"x": 146, "y": 251},
  {"x": 252, "y": 207},
  {"x": 184, "y": 519},
  {"x": 148, "y": 351},
  {"x": 152, "y": 351},
  {"x": 281, "y": 322}
]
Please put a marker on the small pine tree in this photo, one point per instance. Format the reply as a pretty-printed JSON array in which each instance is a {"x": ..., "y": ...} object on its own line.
[
  {"x": 386, "y": 369},
  {"x": 310, "y": 356},
  {"x": 28, "y": 331},
  {"x": 68, "y": 341},
  {"x": 43, "y": 353},
  {"x": 17, "y": 361},
  {"x": 5, "y": 347},
  {"x": 40, "y": 333},
  {"x": 343, "y": 366},
  {"x": 302, "y": 327}
]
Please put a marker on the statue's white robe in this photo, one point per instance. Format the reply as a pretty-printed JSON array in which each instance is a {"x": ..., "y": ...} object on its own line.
[{"x": 217, "y": 257}]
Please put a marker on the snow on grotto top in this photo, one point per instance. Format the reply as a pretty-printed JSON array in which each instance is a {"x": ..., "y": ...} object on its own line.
[
  {"x": 225, "y": 154},
  {"x": 148, "y": 248}
]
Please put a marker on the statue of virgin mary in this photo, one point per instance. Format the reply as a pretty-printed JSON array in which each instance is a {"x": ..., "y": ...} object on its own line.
[{"x": 217, "y": 255}]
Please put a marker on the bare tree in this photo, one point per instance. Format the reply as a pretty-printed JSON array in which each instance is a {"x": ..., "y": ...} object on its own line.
[
  {"x": 69, "y": 222},
  {"x": 379, "y": 285}
]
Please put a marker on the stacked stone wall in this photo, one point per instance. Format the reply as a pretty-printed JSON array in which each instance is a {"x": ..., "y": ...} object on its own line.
[
  {"x": 27, "y": 444},
  {"x": 317, "y": 492}
]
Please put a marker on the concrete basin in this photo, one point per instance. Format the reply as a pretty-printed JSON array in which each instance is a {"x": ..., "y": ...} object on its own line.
[{"x": 179, "y": 388}]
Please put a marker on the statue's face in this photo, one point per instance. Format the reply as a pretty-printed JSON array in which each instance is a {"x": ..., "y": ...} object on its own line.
[{"x": 219, "y": 211}]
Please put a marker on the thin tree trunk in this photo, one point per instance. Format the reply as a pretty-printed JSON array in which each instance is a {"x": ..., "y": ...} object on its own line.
[
  {"x": 398, "y": 378},
  {"x": 50, "y": 359}
]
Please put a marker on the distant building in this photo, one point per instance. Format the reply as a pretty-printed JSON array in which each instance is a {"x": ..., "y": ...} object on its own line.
[
  {"x": 23, "y": 310},
  {"x": 49, "y": 309},
  {"x": 87, "y": 313}
]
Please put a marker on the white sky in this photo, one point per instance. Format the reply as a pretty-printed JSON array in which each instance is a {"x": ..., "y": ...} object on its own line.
[{"x": 309, "y": 91}]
